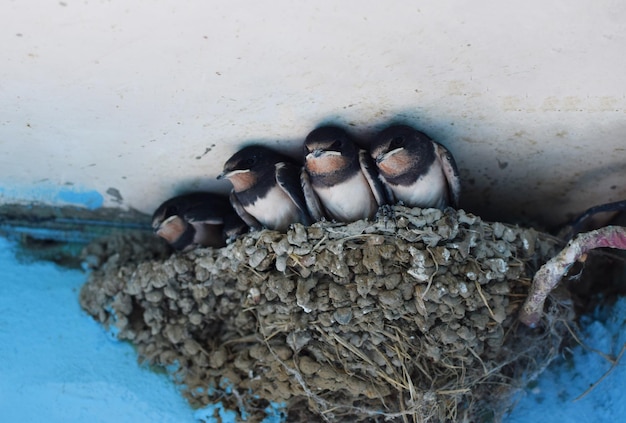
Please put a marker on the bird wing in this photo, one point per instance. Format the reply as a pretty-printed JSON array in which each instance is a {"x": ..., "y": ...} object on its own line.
[
  {"x": 577, "y": 224},
  {"x": 288, "y": 178},
  {"x": 209, "y": 209},
  {"x": 312, "y": 201},
  {"x": 193, "y": 207},
  {"x": 380, "y": 191},
  {"x": 245, "y": 216},
  {"x": 214, "y": 209},
  {"x": 451, "y": 172}
]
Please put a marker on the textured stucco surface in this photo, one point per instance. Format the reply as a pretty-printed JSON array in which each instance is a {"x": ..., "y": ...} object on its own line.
[{"x": 125, "y": 104}]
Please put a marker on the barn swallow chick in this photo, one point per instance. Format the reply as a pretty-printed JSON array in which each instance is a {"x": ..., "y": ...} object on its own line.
[
  {"x": 415, "y": 169},
  {"x": 266, "y": 188},
  {"x": 197, "y": 219},
  {"x": 339, "y": 180}
]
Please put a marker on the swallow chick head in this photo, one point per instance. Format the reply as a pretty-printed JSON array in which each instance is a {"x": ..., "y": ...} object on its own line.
[
  {"x": 329, "y": 150},
  {"x": 402, "y": 153},
  {"x": 246, "y": 167},
  {"x": 166, "y": 211},
  {"x": 196, "y": 219},
  {"x": 266, "y": 188},
  {"x": 173, "y": 228}
]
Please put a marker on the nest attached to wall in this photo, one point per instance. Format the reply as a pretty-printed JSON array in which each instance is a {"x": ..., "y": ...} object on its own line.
[{"x": 409, "y": 318}]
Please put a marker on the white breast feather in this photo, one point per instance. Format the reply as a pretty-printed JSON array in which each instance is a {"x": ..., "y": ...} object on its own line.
[
  {"x": 430, "y": 190},
  {"x": 350, "y": 200},
  {"x": 275, "y": 210}
]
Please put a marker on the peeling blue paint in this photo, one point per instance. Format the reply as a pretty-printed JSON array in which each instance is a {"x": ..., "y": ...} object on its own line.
[
  {"x": 215, "y": 413},
  {"x": 276, "y": 413},
  {"x": 89, "y": 199},
  {"x": 52, "y": 195}
]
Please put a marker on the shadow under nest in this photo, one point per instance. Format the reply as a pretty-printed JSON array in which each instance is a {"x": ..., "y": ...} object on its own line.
[{"x": 406, "y": 319}]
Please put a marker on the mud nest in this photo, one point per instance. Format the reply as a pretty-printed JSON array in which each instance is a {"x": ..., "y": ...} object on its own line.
[{"x": 408, "y": 318}]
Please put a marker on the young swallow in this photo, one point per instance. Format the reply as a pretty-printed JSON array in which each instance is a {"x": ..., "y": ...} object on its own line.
[
  {"x": 197, "y": 219},
  {"x": 339, "y": 180},
  {"x": 415, "y": 169},
  {"x": 266, "y": 188}
]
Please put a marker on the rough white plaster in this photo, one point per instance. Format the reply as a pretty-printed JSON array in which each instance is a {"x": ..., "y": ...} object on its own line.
[{"x": 530, "y": 97}]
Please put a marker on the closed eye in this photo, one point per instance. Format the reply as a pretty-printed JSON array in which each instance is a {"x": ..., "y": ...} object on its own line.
[{"x": 397, "y": 142}]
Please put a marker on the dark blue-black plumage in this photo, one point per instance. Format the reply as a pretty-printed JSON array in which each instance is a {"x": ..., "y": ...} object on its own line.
[
  {"x": 197, "y": 219},
  {"x": 266, "y": 188},
  {"x": 339, "y": 179},
  {"x": 415, "y": 169}
]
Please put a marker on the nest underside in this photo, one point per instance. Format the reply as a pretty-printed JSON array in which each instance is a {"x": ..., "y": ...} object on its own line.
[{"x": 408, "y": 318}]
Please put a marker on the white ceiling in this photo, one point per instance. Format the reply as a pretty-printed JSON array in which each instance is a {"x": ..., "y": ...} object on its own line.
[{"x": 148, "y": 98}]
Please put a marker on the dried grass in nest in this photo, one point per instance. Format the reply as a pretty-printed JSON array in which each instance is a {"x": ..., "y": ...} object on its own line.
[{"x": 410, "y": 319}]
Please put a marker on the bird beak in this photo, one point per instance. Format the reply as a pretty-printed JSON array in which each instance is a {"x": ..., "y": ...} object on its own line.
[
  {"x": 318, "y": 152},
  {"x": 384, "y": 156},
  {"x": 228, "y": 175},
  {"x": 159, "y": 226},
  {"x": 315, "y": 154}
]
